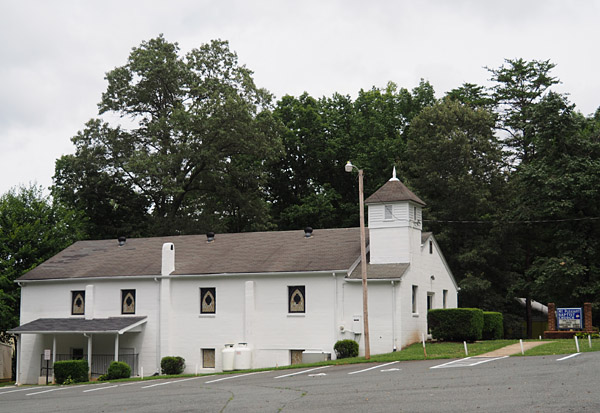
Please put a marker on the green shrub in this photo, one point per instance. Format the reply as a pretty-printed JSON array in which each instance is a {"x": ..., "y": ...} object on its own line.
[
  {"x": 172, "y": 365},
  {"x": 493, "y": 328},
  {"x": 585, "y": 334},
  {"x": 71, "y": 371},
  {"x": 118, "y": 370},
  {"x": 346, "y": 348},
  {"x": 456, "y": 324}
]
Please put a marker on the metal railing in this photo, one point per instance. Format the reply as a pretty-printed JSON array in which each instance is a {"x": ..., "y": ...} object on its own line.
[{"x": 100, "y": 362}]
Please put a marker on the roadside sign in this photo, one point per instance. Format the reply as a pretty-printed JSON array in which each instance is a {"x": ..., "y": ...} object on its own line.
[
  {"x": 568, "y": 318},
  {"x": 47, "y": 354}
]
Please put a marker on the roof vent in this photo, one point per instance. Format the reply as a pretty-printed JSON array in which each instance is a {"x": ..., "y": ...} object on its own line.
[
  {"x": 308, "y": 232},
  {"x": 122, "y": 241},
  {"x": 210, "y": 236}
]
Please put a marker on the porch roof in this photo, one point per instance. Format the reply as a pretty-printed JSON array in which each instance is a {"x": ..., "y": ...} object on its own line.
[{"x": 118, "y": 325}]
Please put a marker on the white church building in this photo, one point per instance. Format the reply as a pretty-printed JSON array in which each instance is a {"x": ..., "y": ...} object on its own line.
[{"x": 276, "y": 297}]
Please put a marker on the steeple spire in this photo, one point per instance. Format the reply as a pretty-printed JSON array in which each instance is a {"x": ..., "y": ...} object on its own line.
[{"x": 393, "y": 178}]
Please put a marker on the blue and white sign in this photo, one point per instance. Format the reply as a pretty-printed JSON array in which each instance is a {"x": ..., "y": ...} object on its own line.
[{"x": 569, "y": 318}]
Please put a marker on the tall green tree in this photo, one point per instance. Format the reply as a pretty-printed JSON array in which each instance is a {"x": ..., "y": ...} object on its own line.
[
  {"x": 519, "y": 86},
  {"x": 308, "y": 184},
  {"x": 558, "y": 191},
  {"x": 453, "y": 161},
  {"x": 32, "y": 229},
  {"x": 190, "y": 149}
]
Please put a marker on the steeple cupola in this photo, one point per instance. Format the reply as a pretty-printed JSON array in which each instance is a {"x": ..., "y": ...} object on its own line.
[{"x": 395, "y": 222}]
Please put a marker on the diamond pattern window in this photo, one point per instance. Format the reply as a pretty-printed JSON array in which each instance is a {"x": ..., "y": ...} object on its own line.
[
  {"x": 296, "y": 299},
  {"x": 77, "y": 302},
  {"x": 127, "y": 301},
  {"x": 208, "y": 300}
]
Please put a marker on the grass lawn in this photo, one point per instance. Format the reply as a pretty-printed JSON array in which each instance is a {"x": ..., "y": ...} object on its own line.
[{"x": 563, "y": 346}]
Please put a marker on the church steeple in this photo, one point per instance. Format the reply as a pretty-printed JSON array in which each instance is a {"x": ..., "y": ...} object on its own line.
[
  {"x": 393, "y": 191},
  {"x": 395, "y": 216}
]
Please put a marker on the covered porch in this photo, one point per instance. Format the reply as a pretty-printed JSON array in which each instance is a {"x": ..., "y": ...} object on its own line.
[{"x": 99, "y": 341}]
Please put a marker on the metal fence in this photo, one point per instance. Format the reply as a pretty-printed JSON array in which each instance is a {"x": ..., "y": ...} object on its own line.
[{"x": 100, "y": 362}]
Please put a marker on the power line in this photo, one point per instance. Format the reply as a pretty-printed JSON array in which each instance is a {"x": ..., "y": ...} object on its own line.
[{"x": 537, "y": 221}]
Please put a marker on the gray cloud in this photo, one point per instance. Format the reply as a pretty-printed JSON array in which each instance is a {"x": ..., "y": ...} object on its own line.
[{"x": 52, "y": 68}]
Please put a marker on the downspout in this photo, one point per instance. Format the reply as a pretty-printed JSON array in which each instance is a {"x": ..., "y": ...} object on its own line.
[{"x": 394, "y": 316}]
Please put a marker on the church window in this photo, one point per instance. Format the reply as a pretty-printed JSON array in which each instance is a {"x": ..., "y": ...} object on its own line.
[
  {"x": 208, "y": 300},
  {"x": 415, "y": 310},
  {"x": 77, "y": 302},
  {"x": 296, "y": 299},
  {"x": 127, "y": 301}
]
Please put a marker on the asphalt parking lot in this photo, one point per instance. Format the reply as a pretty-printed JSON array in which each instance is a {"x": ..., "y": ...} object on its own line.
[{"x": 530, "y": 384}]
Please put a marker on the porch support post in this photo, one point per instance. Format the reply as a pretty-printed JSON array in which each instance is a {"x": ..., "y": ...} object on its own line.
[
  {"x": 89, "y": 352},
  {"x": 117, "y": 347},
  {"x": 18, "y": 342},
  {"x": 53, "y": 354}
]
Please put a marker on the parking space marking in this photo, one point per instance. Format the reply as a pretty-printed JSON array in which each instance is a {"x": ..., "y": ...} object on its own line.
[
  {"x": 233, "y": 377},
  {"x": 301, "y": 372},
  {"x": 568, "y": 357},
  {"x": 12, "y": 391},
  {"x": 47, "y": 391},
  {"x": 486, "y": 359},
  {"x": 101, "y": 388},
  {"x": 374, "y": 367},
  {"x": 467, "y": 362},
  {"x": 170, "y": 382}
]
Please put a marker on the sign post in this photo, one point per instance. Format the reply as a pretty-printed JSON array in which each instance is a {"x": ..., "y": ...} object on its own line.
[
  {"x": 47, "y": 355},
  {"x": 568, "y": 318}
]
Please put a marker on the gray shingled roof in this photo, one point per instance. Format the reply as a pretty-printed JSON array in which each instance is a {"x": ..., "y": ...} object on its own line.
[
  {"x": 77, "y": 325},
  {"x": 380, "y": 271},
  {"x": 252, "y": 252},
  {"x": 393, "y": 191}
]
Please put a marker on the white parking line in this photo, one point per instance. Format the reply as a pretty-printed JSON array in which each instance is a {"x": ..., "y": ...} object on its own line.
[
  {"x": 439, "y": 366},
  {"x": 169, "y": 382},
  {"x": 374, "y": 367},
  {"x": 485, "y": 360},
  {"x": 301, "y": 372},
  {"x": 568, "y": 357},
  {"x": 101, "y": 388},
  {"x": 467, "y": 362},
  {"x": 12, "y": 391},
  {"x": 233, "y": 377},
  {"x": 47, "y": 391}
]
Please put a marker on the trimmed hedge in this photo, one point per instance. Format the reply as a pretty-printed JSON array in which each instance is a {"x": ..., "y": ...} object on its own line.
[
  {"x": 493, "y": 326},
  {"x": 118, "y": 370},
  {"x": 456, "y": 324},
  {"x": 346, "y": 348},
  {"x": 75, "y": 370},
  {"x": 172, "y": 365}
]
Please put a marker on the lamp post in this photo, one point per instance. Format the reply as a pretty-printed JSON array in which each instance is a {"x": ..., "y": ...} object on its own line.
[{"x": 363, "y": 256}]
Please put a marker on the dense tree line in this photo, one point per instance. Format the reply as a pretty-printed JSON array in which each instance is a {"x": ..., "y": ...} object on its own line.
[{"x": 510, "y": 173}]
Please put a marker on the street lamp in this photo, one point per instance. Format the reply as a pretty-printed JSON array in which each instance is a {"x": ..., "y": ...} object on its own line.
[{"x": 363, "y": 256}]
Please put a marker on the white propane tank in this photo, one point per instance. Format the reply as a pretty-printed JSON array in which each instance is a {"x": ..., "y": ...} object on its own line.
[
  {"x": 228, "y": 356},
  {"x": 243, "y": 357}
]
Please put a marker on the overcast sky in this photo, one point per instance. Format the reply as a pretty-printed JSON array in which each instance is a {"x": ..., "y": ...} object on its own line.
[{"x": 54, "y": 53}]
